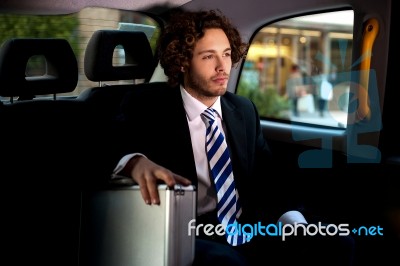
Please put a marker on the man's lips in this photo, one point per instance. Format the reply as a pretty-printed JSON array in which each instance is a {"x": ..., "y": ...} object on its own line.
[{"x": 220, "y": 79}]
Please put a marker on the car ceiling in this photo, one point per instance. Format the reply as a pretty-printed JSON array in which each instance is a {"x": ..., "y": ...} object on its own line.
[
  {"x": 236, "y": 12},
  {"x": 70, "y": 6}
]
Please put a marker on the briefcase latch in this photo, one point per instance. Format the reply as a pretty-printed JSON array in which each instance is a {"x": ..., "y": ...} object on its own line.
[{"x": 179, "y": 190}]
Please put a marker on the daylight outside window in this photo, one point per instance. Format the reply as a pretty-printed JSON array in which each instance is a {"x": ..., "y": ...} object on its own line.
[
  {"x": 77, "y": 29},
  {"x": 292, "y": 66}
]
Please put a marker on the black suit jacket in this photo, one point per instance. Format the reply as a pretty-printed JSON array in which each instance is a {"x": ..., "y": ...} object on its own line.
[{"x": 153, "y": 122}]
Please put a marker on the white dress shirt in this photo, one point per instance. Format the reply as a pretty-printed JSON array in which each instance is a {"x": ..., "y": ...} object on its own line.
[{"x": 207, "y": 199}]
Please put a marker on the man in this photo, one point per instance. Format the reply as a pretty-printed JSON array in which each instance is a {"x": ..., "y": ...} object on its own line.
[
  {"x": 164, "y": 133},
  {"x": 295, "y": 88}
]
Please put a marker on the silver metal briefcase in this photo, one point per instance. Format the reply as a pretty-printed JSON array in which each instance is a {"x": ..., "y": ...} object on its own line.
[{"x": 119, "y": 229}]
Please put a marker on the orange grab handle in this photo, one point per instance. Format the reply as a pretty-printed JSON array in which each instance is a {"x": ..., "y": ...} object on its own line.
[{"x": 370, "y": 32}]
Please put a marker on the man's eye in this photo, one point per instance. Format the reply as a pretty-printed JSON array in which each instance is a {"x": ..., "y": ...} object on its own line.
[
  {"x": 227, "y": 54},
  {"x": 208, "y": 56}
]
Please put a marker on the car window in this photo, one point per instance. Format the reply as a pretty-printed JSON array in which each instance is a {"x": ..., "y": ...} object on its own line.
[
  {"x": 295, "y": 69},
  {"x": 77, "y": 29}
]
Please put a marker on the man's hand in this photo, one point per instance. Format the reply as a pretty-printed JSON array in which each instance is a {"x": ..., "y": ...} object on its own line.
[{"x": 146, "y": 174}]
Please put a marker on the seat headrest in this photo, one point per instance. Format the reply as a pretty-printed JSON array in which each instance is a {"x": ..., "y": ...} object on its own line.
[
  {"x": 61, "y": 67},
  {"x": 98, "y": 62}
]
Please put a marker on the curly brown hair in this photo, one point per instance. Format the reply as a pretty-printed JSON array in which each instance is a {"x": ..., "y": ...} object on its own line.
[{"x": 185, "y": 28}]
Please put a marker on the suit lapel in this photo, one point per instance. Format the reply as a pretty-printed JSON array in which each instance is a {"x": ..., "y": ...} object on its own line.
[
  {"x": 181, "y": 133},
  {"x": 236, "y": 135}
]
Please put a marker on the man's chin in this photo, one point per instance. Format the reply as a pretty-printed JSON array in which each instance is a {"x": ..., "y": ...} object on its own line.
[{"x": 220, "y": 91}]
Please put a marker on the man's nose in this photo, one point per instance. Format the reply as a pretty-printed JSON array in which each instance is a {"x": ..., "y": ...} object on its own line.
[{"x": 220, "y": 67}]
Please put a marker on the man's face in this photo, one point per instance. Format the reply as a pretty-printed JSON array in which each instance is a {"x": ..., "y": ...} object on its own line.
[{"x": 209, "y": 70}]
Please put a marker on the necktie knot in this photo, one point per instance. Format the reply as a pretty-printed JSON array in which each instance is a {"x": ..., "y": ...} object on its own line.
[{"x": 209, "y": 116}]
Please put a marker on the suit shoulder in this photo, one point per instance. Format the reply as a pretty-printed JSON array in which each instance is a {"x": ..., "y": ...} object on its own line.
[
  {"x": 237, "y": 99},
  {"x": 152, "y": 88},
  {"x": 148, "y": 91},
  {"x": 145, "y": 95}
]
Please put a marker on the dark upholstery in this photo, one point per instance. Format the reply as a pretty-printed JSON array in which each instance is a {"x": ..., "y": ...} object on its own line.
[
  {"x": 43, "y": 159},
  {"x": 139, "y": 62},
  {"x": 62, "y": 67},
  {"x": 104, "y": 101},
  {"x": 44, "y": 120}
]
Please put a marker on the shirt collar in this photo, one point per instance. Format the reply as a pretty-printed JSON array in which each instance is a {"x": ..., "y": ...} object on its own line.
[{"x": 195, "y": 108}]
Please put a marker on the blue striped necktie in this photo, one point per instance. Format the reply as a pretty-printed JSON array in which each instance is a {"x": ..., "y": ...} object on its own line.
[{"x": 219, "y": 160}]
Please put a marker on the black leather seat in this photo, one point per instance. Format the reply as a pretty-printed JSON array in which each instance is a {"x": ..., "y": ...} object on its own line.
[
  {"x": 105, "y": 99},
  {"x": 61, "y": 74},
  {"x": 115, "y": 81},
  {"x": 139, "y": 61},
  {"x": 39, "y": 128},
  {"x": 99, "y": 67},
  {"x": 42, "y": 163}
]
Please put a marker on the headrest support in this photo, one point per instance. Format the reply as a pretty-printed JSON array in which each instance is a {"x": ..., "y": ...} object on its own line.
[
  {"x": 62, "y": 68},
  {"x": 139, "y": 62}
]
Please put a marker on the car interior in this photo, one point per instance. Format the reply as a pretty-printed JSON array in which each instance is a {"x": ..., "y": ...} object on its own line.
[{"x": 65, "y": 67}]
